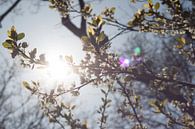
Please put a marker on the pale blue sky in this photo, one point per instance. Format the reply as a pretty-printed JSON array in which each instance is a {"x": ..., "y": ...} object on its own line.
[{"x": 44, "y": 31}]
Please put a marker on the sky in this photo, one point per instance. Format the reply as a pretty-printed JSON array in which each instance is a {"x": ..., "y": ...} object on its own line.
[{"x": 44, "y": 31}]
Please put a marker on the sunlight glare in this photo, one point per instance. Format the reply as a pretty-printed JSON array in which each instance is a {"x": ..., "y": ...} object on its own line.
[{"x": 58, "y": 69}]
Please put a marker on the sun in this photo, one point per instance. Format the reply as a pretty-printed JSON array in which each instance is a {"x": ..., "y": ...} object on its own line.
[{"x": 58, "y": 69}]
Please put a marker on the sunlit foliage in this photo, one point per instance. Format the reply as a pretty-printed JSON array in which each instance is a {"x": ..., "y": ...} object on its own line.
[{"x": 172, "y": 96}]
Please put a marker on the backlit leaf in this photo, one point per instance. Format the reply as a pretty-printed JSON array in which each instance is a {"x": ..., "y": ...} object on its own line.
[
  {"x": 90, "y": 30},
  {"x": 112, "y": 10},
  {"x": 157, "y": 6},
  {"x": 69, "y": 59},
  {"x": 14, "y": 53},
  {"x": 7, "y": 45},
  {"x": 33, "y": 53},
  {"x": 150, "y": 1},
  {"x": 101, "y": 37},
  {"x": 27, "y": 85},
  {"x": 20, "y": 36},
  {"x": 146, "y": 6},
  {"x": 85, "y": 39}
]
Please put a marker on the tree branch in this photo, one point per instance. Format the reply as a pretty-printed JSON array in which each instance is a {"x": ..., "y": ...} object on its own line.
[
  {"x": 130, "y": 103},
  {"x": 79, "y": 32},
  {"x": 9, "y": 10},
  {"x": 83, "y": 20}
]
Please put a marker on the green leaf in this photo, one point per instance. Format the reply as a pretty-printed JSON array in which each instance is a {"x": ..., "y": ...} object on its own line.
[
  {"x": 101, "y": 37},
  {"x": 157, "y": 6},
  {"x": 150, "y": 1},
  {"x": 153, "y": 103},
  {"x": 99, "y": 20},
  {"x": 181, "y": 42},
  {"x": 7, "y": 45},
  {"x": 27, "y": 85},
  {"x": 87, "y": 9},
  {"x": 12, "y": 33},
  {"x": 85, "y": 39},
  {"x": 90, "y": 30},
  {"x": 20, "y": 36},
  {"x": 52, "y": 6},
  {"x": 112, "y": 10},
  {"x": 130, "y": 24},
  {"x": 9, "y": 41},
  {"x": 146, "y": 5}
]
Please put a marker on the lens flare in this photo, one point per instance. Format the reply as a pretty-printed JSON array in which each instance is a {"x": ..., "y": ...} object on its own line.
[
  {"x": 124, "y": 62},
  {"x": 135, "y": 59},
  {"x": 137, "y": 51}
]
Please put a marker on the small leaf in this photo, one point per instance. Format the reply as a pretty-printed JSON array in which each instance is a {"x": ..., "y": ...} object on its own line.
[
  {"x": 152, "y": 103},
  {"x": 14, "y": 53},
  {"x": 101, "y": 37},
  {"x": 7, "y": 45},
  {"x": 20, "y": 36},
  {"x": 42, "y": 57},
  {"x": 99, "y": 20},
  {"x": 128, "y": 78},
  {"x": 85, "y": 39},
  {"x": 90, "y": 30},
  {"x": 12, "y": 33},
  {"x": 27, "y": 85},
  {"x": 9, "y": 41},
  {"x": 24, "y": 45},
  {"x": 9, "y": 33},
  {"x": 13, "y": 28},
  {"x": 150, "y": 1},
  {"x": 157, "y": 6},
  {"x": 112, "y": 10},
  {"x": 75, "y": 93},
  {"x": 33, "y": 53},
  {"x": 179, "y": 46},
  {"x": 183, "y": 40},
  {"x": 73, "y": 107},
  {"x": 52, "y": 6},
  {"x": 87, "y": 9},
  {"x": 69, "y": 59},
  {"x": 133, "y": 1},
  {"x": 103, "y": 100},
  {"x": 146, "y": 5},
  {"x": 109, "y": 101},
  {"x": 130, "y": 24},
  {"x": 52, "y": 92},
  {"x": 103, "y": 91}
]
